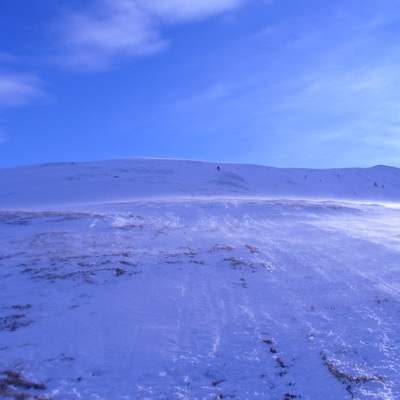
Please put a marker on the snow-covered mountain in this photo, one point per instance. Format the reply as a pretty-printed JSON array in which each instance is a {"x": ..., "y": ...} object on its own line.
[
  {"x": 164, "y": 279},
  {"x": 71, "y": 184}
]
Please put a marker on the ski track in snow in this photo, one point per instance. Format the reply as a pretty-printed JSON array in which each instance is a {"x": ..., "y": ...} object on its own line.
[{"x": 201, "y": 297}]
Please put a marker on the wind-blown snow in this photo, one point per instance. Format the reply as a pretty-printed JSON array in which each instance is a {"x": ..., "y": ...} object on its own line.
[
  {"x": 54, "y": 185},
  {"x": 162, "y": 279}
]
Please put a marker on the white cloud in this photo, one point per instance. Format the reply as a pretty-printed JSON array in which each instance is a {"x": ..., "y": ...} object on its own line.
[
  {"x": 115, "y": 29},
  {"x": 178, "y": 10},
  {"x": 92, "y": 40},
  {"x": 19, "y": 89}
]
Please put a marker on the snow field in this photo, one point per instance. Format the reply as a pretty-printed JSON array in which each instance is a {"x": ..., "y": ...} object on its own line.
[{"x": 202, "y": 299}]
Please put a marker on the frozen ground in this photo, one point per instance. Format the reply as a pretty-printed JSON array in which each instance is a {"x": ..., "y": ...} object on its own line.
[{"x": 155, "y": 279}]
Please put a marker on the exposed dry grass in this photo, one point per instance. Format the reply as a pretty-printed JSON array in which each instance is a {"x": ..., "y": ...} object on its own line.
[
  {"x": 252, "y": 249},
  {"x": 347, "y": 379},
  {"x": 12, "y": 383}
]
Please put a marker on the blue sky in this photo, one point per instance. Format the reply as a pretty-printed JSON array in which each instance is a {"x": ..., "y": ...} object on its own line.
[{"x": 287, "y": 83}]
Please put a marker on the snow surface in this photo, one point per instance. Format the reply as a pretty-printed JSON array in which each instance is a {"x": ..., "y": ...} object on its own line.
[{"x": 163, "y": 279}]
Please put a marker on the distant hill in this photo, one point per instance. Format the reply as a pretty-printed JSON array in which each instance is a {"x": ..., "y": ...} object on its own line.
[{"x": 74, "y": 184}]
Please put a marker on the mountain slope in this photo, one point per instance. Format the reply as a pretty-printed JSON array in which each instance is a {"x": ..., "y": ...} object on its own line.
[
  {"x": 180, "y": 281},
  {"x": 55, "y": 185}
]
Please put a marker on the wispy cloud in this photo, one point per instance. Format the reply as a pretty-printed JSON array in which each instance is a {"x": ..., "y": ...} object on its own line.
[
  {"x": 346, "y": 115},
  {"x": 120, "y": 29},
  {"x": 183, "y": 10},
  {"x": 17, "y": 89},
  {"x": 92, "y": 40},
  {"x": 3, "y": 136},
  {"x": 7, "y": 57},
  {"x": 204, "y": 97}
]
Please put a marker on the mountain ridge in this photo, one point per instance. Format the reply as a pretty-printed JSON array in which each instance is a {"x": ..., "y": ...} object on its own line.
[{"x": 62, "y": 184}]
